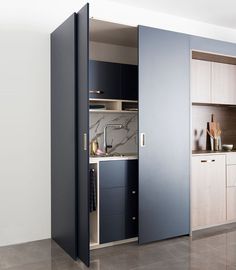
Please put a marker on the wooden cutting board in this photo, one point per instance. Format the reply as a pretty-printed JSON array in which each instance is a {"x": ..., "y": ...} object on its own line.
[{"x": 213, "y": 125}]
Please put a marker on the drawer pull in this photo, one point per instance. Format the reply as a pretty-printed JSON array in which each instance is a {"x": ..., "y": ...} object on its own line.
[
  {"x": 134, "y": 218},
  {"x": 96, "y": 92},
  {"x": 133, "y": 192},
  {"x": 208, "y": 160}
]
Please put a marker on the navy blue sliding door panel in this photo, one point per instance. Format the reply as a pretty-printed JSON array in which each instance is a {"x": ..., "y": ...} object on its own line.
[
  {"x": 164, "y": 120},
  {"x": 213, "y": 46},
  {"x": 63, "y": 136},
  {"x": 83, "y": 135}
]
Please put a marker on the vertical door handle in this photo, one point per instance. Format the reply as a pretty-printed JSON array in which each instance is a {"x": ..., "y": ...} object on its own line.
[
  {"x": 142, "y": 139},
  {"x": 85, "y": 141}
]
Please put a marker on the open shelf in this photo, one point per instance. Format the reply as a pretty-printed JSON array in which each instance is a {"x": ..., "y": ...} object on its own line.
[{"x": 113, "y": 106}]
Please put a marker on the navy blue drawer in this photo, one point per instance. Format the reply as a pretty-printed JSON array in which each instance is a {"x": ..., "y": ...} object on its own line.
[
  {"x": 112, "y": 228},
  {"x": 119, "y": 173},
  {"x": 131, "y": 228},
  {"x": 132, "y": 201},
  {"x": 118, "y": 227},
  {"x": 113, "y": 201}
]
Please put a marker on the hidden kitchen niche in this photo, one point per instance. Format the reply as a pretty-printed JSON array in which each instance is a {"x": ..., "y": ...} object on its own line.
[
  {"x": 113, "y": 109},
  {"x": 213, "y": 91}
]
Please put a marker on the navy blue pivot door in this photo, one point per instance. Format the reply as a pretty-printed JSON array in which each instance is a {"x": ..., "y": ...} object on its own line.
[
  {"x": 83, "y": 134},
  {"x": 164, "y": 117},
  {"x": 69, "y": 136},
  {"x": 63, "y": 136}
]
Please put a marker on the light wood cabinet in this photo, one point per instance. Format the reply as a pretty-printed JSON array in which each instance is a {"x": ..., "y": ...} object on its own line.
[
  {"x": 231, "y": 186},
  {"x": 231, "y": 203},
  {"x": 223, "y": 83},
  {"x": 208, "y": 195},
  {"x": 201, "y": 81},
  {"x": 213, "y": 83},
  {"x": 231, "y": 176}
]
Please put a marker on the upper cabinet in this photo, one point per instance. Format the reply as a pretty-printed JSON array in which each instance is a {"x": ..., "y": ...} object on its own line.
[
  {"x": 213, "y": 82},
  {"x": 113, "y": 81},
  {"x": 104, "y": 80},
  {"x": 201, "y": 81},
  {"x": 223, "y": 83},
  {"x": 129, "y": 78}
]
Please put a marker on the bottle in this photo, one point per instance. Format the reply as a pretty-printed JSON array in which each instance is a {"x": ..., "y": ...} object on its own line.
[{"x": 94, "y": 147}]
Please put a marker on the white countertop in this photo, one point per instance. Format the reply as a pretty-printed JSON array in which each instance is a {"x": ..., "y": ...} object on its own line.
[
  {"x": 208, "y": 153},
  {"x": 126, "y": 157}
]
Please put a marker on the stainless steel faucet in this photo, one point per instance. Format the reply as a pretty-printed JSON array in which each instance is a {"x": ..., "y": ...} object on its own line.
[{"x": 105, "y": 134}]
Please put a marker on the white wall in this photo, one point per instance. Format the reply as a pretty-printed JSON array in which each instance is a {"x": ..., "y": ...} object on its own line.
[
  {"x": 25, "y": 102},
  {"x": 24, "y": 136},
  {"x": 119, "y": 13}
]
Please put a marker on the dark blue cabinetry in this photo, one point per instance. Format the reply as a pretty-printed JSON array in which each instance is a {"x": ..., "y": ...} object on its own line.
[
  {"x": 129, "y": 81},
  {"x": 118, "y": 200},
  {"x": 113, "y": 81},
  {"x": 164, "y": 162},
  {"x": 104, "y": 80}
]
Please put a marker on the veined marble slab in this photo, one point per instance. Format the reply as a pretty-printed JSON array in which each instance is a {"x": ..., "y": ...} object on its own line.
[{"x": 123, "y": 140}]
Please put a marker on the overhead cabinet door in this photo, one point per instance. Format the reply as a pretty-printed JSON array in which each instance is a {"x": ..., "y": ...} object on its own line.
[
  {"x": 201, "y": 81},
  {"x": 223, "y": 83},
  {"x": 164, "y": 117},
  {"x": 105, "y": 80}
]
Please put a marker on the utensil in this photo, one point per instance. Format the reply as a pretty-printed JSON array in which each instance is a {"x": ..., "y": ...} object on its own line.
[{"x": 214, "y": 132}]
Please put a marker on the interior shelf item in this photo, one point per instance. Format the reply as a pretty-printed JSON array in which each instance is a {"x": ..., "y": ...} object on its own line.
[{"x": 113, "y": 105}]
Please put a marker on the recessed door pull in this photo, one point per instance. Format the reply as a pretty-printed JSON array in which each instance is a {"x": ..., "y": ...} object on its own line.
[
  {"x": 96, "y": 92},
  {"x": 85, "y": 141},
  {"x": 142, "y": 139},
  {"x": 208, "y": 160}
]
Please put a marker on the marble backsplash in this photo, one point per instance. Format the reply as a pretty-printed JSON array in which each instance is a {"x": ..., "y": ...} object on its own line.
[{"x": 123, "y": 140}]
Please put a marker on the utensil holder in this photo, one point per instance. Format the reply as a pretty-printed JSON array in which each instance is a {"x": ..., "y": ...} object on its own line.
[
  {"x": 212, "y": 143},
  {"x": 216, "y": 144},
  {"x": 220, "y": 143}
]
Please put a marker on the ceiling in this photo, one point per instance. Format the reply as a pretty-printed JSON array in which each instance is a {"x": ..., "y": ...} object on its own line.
[
  {"x": 47, "y": 14},
  {"x": 221, "y": 13}
]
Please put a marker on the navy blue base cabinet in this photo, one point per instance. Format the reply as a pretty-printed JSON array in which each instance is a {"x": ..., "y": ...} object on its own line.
[
  {"x": 113, "y": 81},
  {"x": 118, "y": 200}
]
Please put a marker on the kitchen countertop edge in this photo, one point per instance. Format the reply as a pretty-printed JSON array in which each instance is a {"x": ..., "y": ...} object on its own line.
[
  {"x": 98, "y": 159},
  {"x": 208, "y": 153}
]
